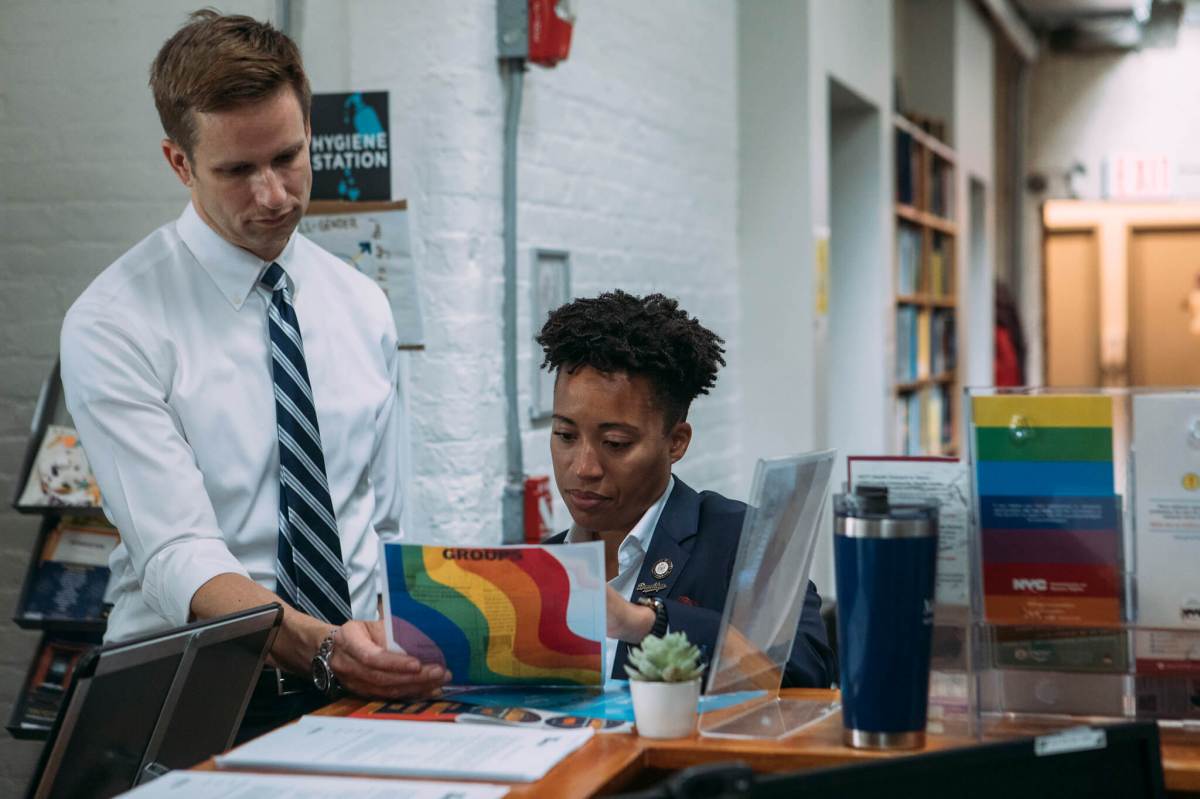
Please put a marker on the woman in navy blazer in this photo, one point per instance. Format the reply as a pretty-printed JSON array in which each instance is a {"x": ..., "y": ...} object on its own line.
[{"x": 627, "y": 370}]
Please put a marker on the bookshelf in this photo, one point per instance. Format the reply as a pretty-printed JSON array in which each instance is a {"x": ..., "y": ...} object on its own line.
[{"x": 927, "y": 380}]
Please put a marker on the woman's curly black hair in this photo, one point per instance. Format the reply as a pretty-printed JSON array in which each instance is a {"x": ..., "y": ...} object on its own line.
[{"x": 650, "y": 336}]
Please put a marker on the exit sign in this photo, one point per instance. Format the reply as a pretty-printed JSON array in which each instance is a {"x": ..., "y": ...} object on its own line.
[{"x": 1137, "y": 176}]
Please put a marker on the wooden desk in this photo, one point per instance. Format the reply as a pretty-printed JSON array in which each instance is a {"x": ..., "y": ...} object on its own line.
[{"x": 611, "y": 762}]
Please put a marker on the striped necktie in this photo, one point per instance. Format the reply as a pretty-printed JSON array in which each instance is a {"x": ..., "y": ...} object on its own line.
[{"x": 308, "y": 566}]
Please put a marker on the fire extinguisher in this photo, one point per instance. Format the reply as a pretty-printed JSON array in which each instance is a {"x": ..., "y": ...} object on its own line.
[
  {"x": 550, "y": 24},
  {"x": 539, "y": 509}
]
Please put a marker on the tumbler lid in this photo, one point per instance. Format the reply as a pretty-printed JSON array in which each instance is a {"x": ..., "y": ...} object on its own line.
[
  {"x": 867, "y": 513},
  {"x": 872, "y": 498}
]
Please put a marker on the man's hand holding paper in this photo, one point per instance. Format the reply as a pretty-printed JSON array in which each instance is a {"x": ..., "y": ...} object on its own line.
[{"x": 365, "y": 666}]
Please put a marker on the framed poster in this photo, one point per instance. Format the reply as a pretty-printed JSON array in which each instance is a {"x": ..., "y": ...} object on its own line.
[
  {"x": 351, "y": 151},
  {"x": 373, "y": 238},
  {"x": 551, "y": 283}
]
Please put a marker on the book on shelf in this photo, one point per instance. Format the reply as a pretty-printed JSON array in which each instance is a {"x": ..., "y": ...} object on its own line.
[
  {"x": 906, "y": 338},
  {"x": 924, "y": 343},
  {"x": 908, "y": 259},
  {"x": 931, "y": 428},
  {"x": 937, "y": 273},
  {"x": 941, "y": 272},
  {"x": 941, "y": 188},
  {"x": 907, "y": 168},
  {"x": 943, "y": 349},
  {"x": 924, "y": 420},
  {"x": 949, "y": 398}
]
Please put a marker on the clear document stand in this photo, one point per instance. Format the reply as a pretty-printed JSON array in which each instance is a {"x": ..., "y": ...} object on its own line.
[
  {"x": 766, "y": 597},
  {"x": 1085, "y": 551}
]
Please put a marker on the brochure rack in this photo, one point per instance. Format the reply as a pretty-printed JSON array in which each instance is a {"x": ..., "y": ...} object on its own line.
[
  {"x": 1085, "y": 550},
  {"x": 64, "y": 600}
]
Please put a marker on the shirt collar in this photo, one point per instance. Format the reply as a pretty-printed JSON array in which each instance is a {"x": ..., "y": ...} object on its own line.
[
  {"x": 642, "y": 532},
  {"x": 235, "y": 271}
]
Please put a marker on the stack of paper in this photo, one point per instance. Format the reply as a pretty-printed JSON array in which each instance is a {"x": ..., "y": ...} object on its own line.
[
  {"x": 217, "y": 785},
  {"x": 328, "y": 744}
]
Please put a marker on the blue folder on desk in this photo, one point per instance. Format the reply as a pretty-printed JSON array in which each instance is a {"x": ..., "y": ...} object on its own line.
[{"x": 612, "y": 702}]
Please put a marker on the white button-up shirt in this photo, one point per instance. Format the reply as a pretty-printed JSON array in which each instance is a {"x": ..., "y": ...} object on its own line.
[
  {"x": 630, "y": 556},
  {"x": 166, "y": 368}
]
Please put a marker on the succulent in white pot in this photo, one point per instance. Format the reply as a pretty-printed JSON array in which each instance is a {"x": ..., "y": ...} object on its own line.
[{"x": 664, "y": 678}]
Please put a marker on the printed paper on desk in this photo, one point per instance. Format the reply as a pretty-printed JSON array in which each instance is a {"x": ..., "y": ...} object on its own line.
[
  {"x": 333, "y": 744},
  {"x": 225, "y": 785},
  {"x": 521, "y": 615}
]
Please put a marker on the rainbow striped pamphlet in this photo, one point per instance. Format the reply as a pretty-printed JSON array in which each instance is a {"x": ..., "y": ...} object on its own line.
[{"x": 516, "y": 615}]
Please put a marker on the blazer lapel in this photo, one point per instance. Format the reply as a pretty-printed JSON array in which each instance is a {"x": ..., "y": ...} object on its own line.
[{"x": 667, "y": 555}]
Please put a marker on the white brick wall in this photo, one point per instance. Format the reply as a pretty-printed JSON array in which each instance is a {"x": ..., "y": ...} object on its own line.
[
  {"x": 628, "y": 160},
  {"x": 81, "y": 179}
]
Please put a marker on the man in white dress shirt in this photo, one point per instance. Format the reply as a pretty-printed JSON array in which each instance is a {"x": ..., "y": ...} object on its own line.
[{"x": 233, "y": 384}]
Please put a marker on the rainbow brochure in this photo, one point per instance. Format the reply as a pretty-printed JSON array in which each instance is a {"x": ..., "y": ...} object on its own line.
[
  {"x": 1049, "y": 513},
  {"x": 517, "y": 615}
]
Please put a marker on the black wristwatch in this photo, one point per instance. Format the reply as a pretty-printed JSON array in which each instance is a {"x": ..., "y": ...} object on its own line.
[
  {"x": 324, "y": 680},
  {"x": 660, "y": 614}
]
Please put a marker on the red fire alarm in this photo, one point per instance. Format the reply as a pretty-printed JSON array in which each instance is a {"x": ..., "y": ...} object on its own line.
[
  {"x": 550, "y": 25},
  {"x": 539, "y": 509}
]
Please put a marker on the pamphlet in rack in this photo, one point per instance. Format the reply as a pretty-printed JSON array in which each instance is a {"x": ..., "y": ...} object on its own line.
[{"x": 1084, "y": 591}]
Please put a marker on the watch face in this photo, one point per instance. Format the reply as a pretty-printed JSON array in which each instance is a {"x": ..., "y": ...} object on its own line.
[{"x": 320, "y": 675}]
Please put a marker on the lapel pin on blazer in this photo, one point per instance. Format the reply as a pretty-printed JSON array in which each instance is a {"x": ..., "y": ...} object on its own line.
[
  {"x": 650, "y": 588},
  {"x": 661, "y": 568}
]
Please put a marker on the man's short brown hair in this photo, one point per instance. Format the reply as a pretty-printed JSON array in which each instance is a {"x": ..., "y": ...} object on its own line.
[{"x": 217, "y": 62}]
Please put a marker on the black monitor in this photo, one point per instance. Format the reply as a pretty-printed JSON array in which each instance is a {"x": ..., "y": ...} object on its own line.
[
  {"x": 138, "y": 708},
  {"x": 1120, "y": 761}
]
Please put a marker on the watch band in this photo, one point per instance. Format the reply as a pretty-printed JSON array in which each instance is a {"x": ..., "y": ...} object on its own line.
[
  {"x": 326, "y": 648},
  {"x": 324, "y": 679},
  {"x": 660, "y": 614}
]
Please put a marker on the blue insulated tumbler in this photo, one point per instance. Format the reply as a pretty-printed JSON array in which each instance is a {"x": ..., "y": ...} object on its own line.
[{"x": 885, "y": 559}]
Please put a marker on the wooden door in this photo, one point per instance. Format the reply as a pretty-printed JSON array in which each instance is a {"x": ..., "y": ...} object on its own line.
[
  {"x": 1164, "y": 307},
  {"x": 1072, "y": 308}
]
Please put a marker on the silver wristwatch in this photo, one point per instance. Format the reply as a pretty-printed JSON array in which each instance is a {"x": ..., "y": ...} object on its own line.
[{"x": 324, "y": 680}]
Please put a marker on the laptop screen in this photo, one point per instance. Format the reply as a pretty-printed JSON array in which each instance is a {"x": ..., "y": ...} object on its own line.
[
  {"x": 173, "y": 699},
  {"x": 108, "y": 717},
  {"x": 212, "y": 695}
]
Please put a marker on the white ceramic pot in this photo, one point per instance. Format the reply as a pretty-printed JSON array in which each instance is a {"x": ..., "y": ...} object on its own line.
[{"x": 665, "y": 709}]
